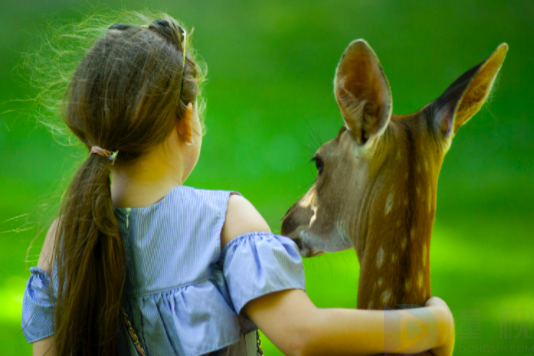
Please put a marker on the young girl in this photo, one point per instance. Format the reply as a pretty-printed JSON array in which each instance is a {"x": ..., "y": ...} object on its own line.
[{"x": 144, "y": 265}]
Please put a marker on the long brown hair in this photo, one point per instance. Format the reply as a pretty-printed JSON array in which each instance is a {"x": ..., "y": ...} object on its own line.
[{"x": 125, "y": 95}]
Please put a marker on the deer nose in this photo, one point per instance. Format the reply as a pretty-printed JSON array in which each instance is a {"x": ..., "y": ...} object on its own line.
[
  {"x": 288, "y": 224},
  {"x": 298, "y": 241},
  {"x": 289, "y": 210}
]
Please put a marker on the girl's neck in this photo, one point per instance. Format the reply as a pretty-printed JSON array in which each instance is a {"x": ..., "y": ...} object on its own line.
[{"x": 145, "y": 182}]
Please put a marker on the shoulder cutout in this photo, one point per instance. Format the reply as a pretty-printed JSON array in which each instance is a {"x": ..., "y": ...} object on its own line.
[
  {"x": 48, "y": 248},
  {"x": 241, "y": 217}
]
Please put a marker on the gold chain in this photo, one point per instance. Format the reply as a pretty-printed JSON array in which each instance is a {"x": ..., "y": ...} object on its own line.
[
  {"x": 133, "y": 335},
  {"x": 258, "y": 344}
]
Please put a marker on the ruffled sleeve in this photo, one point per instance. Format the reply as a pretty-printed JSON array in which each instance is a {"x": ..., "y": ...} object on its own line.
[
  {"x": 258, "y": 263},
  {"x": 38, "y": 306}
]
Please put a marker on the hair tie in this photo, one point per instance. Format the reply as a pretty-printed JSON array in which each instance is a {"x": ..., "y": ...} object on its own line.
[{"x": 112, "y": 156}]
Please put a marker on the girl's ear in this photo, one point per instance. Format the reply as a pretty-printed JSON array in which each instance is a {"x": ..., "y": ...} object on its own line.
[{"x": 183, "y": 126}]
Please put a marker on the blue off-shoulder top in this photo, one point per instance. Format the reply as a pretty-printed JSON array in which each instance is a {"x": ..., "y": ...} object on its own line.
[{"x": 184, "y": 294}]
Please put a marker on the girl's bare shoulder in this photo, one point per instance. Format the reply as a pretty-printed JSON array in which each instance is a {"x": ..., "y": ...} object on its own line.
[{"x": 241, "y": 217}]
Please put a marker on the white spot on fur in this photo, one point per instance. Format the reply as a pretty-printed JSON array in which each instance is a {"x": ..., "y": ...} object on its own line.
[
  {"x": 389, "y": 202},
  {"x": 308, "y": 199},
  {"x": 314, "y": 209},
  {"x": 379, "y": 281},
  {"x": 386, "y": 295},
  {"x": 420, "y": 279},
  {"x": 380, "y": 257}
]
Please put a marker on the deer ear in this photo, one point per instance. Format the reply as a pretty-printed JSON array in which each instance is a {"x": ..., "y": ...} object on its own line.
[
  {"x": 467, "y": 94},
  {"x": 362, "y": 92}
]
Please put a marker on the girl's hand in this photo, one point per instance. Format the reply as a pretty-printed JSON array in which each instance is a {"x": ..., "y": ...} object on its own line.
[{"x": 445, "y": 327}]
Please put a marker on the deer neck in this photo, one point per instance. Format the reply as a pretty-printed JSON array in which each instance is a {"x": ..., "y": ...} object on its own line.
[{"x": 391, "y": 234}]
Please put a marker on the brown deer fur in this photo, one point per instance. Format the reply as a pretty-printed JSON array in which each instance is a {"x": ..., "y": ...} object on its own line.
[{"x": 377, "y": 181}]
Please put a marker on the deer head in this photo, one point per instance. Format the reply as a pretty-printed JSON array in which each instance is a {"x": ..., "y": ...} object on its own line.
[{"x": 376, "y": 183}]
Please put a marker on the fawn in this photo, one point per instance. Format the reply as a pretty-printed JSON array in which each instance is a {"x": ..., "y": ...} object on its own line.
[{"x": 375, "y": 189}]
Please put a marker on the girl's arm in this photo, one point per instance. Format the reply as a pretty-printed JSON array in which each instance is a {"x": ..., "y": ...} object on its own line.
[
  {"x": 46, "y": 346},
  {"x": 297, "y": 327}
]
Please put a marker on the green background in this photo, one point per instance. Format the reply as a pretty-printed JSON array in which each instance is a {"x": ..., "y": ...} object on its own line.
[{"x": 271, "y": 104}]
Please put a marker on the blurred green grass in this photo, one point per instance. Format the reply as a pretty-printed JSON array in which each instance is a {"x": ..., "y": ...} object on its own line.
[{"x": 270, "y": 105}]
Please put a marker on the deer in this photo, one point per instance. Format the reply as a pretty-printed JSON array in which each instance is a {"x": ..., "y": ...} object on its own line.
[{"x": 376, "y": 183}]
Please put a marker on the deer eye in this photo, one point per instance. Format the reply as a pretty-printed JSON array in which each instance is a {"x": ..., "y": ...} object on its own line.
[{"x": 319, "y": 163}]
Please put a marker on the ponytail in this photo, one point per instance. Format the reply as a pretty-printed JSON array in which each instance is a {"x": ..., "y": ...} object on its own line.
[{"x": 90, "y": 265}]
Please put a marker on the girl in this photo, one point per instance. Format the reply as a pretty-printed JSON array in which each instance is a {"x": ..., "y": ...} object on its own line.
[{"x": 140, "y": 264}]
